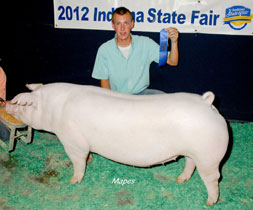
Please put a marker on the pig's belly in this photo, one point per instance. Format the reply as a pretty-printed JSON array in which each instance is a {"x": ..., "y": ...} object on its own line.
[{"x": 138, "y": 149}]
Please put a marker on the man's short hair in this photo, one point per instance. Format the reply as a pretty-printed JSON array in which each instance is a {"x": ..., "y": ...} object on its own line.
[{"x": 122, "y": 11}]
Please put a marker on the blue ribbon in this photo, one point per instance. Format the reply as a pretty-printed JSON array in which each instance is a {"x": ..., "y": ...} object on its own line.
[{"x": 163, "y": 47}]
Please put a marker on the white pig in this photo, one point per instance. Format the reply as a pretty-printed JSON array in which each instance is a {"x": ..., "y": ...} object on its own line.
[{"x": 135, "y": 130}]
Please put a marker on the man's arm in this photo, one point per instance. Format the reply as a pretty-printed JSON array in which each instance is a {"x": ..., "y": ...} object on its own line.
[
  {"x": 2, "y": 84},
  {"x": 172, "y": 59},
  {"x": 105, "y": 83}
]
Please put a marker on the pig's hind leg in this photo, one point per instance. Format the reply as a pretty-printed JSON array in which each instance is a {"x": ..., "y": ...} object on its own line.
[
  {"x": 188, "y": 170},
  {"x": 210, "y": 176}
]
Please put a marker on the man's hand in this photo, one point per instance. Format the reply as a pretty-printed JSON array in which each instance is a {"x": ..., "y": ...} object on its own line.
[
  {"x": 172, "y": 34},
  {"x": 174, "y": 54},
  {"x": 104, "y": 83}
]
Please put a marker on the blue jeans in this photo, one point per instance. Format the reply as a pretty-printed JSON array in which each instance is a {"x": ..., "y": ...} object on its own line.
[
  {"x": 150, "y": 92},
  {"x": 4, "y": 132}
]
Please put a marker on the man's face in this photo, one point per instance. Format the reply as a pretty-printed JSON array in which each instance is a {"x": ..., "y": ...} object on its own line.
[{"x": 122, "y": 24}]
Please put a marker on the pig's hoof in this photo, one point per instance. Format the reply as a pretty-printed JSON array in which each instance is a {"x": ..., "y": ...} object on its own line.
[
  {"x": 209, "y": 204},
  {"x": 89, "y": 158},
  {"x": 180, "y": 180},
  {"x": 74, "y": 180},
  {"x": 211, "y": 201}
]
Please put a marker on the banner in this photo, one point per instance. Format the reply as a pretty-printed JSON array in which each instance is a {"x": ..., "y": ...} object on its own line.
[{"x": 188, "y": 16}]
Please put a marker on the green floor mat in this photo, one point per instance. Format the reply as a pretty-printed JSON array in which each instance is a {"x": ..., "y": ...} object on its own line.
[{"x": 36, "y": 176}]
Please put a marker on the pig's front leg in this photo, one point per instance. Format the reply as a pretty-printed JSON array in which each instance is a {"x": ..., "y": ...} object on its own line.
[
  {"x": 78, "y": 158},
  {"x": 188, "y": 170},
  {"x": 77, "y": 154}
]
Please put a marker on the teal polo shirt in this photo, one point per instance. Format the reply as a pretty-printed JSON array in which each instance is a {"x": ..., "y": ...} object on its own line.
[{"x": 126, "y": 75}]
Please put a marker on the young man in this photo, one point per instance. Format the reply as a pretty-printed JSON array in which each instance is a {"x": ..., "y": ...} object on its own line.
[{"x": 122, "y": 63}]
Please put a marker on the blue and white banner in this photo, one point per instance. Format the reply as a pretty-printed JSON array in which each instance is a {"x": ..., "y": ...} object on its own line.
[{"x": 188, "y": 16}]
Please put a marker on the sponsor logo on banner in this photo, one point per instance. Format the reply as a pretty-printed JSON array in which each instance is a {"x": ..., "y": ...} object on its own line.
[{"x": 237, "y": 17}]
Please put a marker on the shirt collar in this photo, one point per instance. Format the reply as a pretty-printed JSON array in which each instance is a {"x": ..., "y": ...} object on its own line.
[{"x": 132, "y": 44}]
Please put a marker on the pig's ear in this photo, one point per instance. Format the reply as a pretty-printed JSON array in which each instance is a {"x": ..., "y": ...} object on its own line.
[
  {"x": 34, "y": 86},
  {"x": 208, "y": 97},
  {"x": 25, "y": 99}
]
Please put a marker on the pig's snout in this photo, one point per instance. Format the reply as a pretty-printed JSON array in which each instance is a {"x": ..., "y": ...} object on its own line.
[{"x": 10, "y": 108}]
